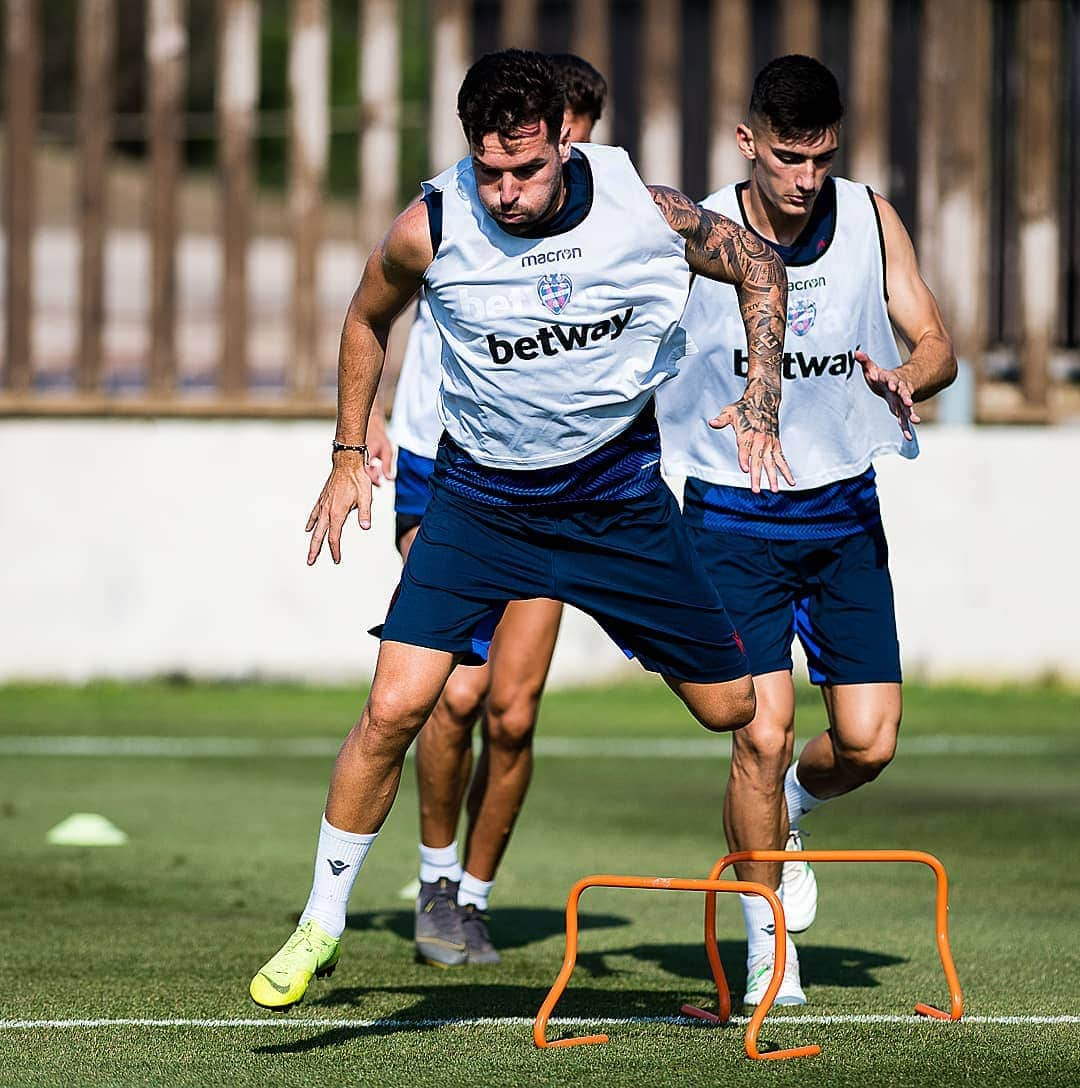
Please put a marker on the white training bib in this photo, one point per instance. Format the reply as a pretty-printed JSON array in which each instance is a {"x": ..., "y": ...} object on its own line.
[
  {"x": 831, "y": 425},
  {"x": 414, "y": 422},
  {"x": 554, "y": 345}
]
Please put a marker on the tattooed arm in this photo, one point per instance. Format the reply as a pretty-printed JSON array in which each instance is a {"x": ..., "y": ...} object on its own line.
[{"x": 721, "y": 250}]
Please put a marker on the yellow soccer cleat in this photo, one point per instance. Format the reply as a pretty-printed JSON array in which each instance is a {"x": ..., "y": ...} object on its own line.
[{"x": 284, "y": 979}]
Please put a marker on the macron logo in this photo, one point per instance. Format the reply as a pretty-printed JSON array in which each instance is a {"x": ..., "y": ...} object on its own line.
[
  {"x": 551, "y": 339},
  {"x": 531, "y": 259},
  {"x": 337, "y": 867}
]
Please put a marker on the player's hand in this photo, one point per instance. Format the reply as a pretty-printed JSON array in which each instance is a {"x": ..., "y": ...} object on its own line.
[
  {"x": 347, "y": 488},
  {"x": 758, "y": 439},
  {"x": 893, "y": 389},
  {"x": 380, "y": 464}
]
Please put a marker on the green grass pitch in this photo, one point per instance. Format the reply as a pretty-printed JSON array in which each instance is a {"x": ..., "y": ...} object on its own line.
[{"x": 172, "y": 925}]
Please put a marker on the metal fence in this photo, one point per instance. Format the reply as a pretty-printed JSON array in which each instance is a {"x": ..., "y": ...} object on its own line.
[{"x": 965, "y": 113}]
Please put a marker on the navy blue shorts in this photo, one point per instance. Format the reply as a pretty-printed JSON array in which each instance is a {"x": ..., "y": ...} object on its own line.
[
  {"x": 411, "y": 491},
  {"x": 835, "y": 595},
  {"x": 629, "y": 564}
]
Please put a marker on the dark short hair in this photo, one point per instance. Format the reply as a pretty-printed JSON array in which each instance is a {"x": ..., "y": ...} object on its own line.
[
  {"x": 585, "y": 88},
  {"x": 506, "y": 91},
  {"x": 798, "y": 97}
]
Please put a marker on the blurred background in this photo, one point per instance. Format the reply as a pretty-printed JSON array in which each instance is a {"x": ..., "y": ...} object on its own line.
[{"x": 190, "y": 188}]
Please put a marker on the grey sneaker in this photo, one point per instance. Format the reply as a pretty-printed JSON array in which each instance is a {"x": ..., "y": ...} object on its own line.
[
  {"x": 440, "y": 939},
  {"x": 478, "y": 946}
]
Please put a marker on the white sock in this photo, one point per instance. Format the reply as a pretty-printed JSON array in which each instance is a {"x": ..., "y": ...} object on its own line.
[
  {"x": 799, "y": 800},
  {"x": 338, "y": 858},
  {"x": 437, "y": 862},
  {"x": 474, "y": 891},
  {"x": 760, "y": 929}
]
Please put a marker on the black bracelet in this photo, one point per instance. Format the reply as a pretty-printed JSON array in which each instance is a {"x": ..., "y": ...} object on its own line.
[{"x": 339, "y": 447}]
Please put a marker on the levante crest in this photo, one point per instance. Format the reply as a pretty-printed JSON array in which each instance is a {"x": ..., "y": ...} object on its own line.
[
  {"x": 555, "y": 290},
  {"x": 800, "y": 316}
]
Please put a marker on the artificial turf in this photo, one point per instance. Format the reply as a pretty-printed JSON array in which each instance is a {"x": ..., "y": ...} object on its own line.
[{"x": 172, "y": 925}]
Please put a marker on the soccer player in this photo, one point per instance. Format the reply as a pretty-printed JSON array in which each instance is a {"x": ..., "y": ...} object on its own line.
[
  {"x": 811, "y": 562},
  {"x": 557, "y": 280},
  {"x": 451, "y": 920}
]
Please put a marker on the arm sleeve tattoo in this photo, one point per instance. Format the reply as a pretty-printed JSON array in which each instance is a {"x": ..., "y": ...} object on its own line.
[{"x": 722, "y": 250}]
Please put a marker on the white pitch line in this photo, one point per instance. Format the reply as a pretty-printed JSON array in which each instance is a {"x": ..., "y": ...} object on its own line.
[
  {"x": 514, "y": 1021},
  {"x": 159, "y": 747}
]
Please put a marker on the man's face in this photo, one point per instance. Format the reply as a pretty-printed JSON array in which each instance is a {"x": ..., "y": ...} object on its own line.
[
  {"x": 520, "y": 181},
  {"x": 788, "y": 174},
  {"x": 580, "y": 125}
]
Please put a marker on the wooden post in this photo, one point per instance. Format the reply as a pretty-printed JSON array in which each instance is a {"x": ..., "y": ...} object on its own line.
[
  {"x": 800, "y": 29},
  {"x": 450, "y": 61},
  {"x": 590, "y": 39},
  {"x": 518, "y": 24},
  {"x": 380, "y": 108},
  {"x": 96, "y": 47},
  {"x": 661, "y": 127},
  {"x": 1039, "y": 158},
  {"x": 868, "y": 98},
  {"x": 166, "y": 59},
  {"x": 22, "y": 69},
  {"x": 309, "y": 140},
  {"x": 954, "y": 170},
  {"x": 237, "y": 92},
  {"x": 732, "y": 47}
]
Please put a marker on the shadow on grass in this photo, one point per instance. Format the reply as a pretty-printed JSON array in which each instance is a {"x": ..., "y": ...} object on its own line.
[
  {"x": 511, "y": 927},
  {"x": 427, "y": 1008},
  {"x": 821, "y": 965},
  {"x": 477, "y": 993}
]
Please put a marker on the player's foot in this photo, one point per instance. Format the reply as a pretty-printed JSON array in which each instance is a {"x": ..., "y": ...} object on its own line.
[
  {"x": 799, "y": 887},
  {"x": 440, "y": 939},
  {"x": 759, "y": 975},
  {"x": 283, "y": 980},
  {"x": 478, "y": 946}
]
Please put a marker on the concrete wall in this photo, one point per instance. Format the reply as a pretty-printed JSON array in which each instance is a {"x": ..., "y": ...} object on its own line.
[{"x": 135, "y": 548}]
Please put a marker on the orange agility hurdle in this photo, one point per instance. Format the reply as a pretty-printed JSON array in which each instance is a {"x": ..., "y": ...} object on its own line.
[
  {"x": 711, "y": 887},
  {"x": 956, "y": 1008}
]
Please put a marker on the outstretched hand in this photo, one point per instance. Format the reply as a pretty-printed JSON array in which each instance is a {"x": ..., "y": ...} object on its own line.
[
  {"x": 893, "y": 389},
  {"x": 758, "y": 440},
  {"x": 347, "y": 488}
]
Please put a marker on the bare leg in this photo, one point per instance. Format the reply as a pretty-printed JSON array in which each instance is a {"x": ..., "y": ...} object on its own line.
[
  {"x": 444, "y": 749},
  {"x": 864, "y": 720},
  {"x": 444, "y": 754},
  {"x": 408, "y": 680},
  {"x": 520, "y": 657},
  {"x": 718, "y": 707},
  {"x": 405, "y": 541},
  {"x": 755, "y": 817}
]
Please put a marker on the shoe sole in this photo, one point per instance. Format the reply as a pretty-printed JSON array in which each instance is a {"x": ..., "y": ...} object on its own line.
[
  {"x": 800, "y": 924},
  {"x": 444, "y": 955},
  {"x": 485, "y": 959},
  {"x": 421, "y": 958},
  {"x": 802, "y": 927}
]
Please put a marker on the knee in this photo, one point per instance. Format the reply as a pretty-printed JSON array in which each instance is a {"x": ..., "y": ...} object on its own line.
[
  {"x": 867, "y": 758},
  {"x": 764, "y": 748},
  {"x": 461, "y": 700},
  {"x": 510, "y": 720},
  {"x": 732, "y": 709},
  {"x": 390, "y": 721}
]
